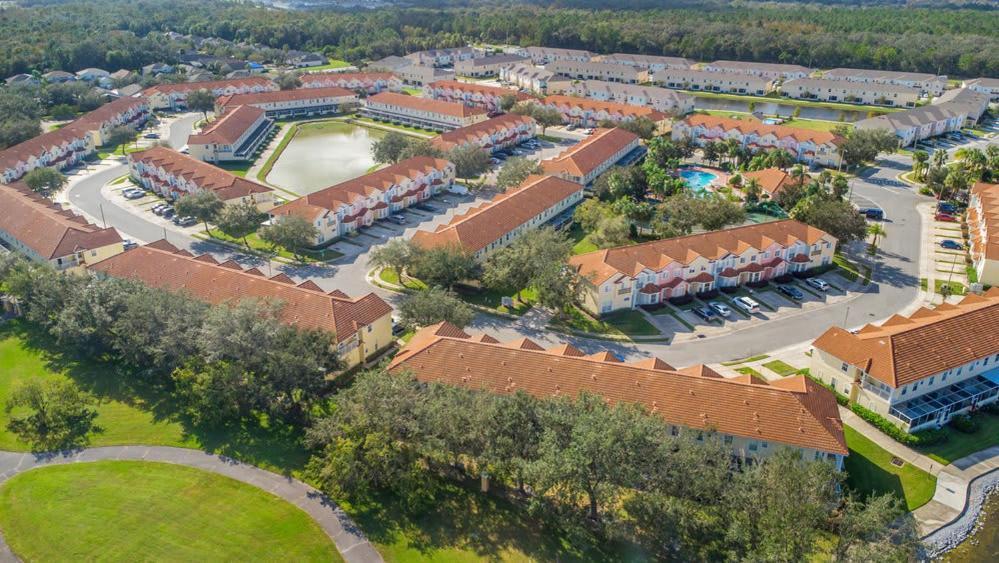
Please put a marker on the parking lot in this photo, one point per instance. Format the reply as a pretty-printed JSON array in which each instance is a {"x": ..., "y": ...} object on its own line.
[{"x": 947, "y": 248}]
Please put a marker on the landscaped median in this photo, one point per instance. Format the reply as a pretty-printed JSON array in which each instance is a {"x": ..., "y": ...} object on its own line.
[
  {"x": 258, "y": 247},
  {"x": 619, "y": 325}
]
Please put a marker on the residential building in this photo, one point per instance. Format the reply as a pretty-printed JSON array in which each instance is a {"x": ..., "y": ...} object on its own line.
[
  {"x": 128, "y": 91},
  {"x": 301, "y": 59},
  {"x": 929, "y": 84},
  {"x": 770, "y": 180},
  {"x": 123, "y": 112},
  {"x": 418, "y": 75},
  {"x": 965, "y": 100},
  {"x": 487, "y": 66},
  {"x": 951, "y": 112},
  {"x": 583, "y": 162},
  {"x": 59, "y": 76},
  {"x": 174, "y": 96},
  {"x": 591, "y": 70},
  {"x": 547, "y": 55},
  {"x": 754, "y": 418},
  {"x": 920, "y": 370},
  {"x": 21, "y": 79},
  {"x": 45, "y": 232},
  {"x": 498, "y": 133},
  {"x": 527, "y": 77},
  {"x": 492, "y": 225},
  {"x": 442, "y": 57},
  {"x": 234, "y": 135},
  {"x": 851, "y": 92},
  {"x": 706, "y": 81},
  {"x": 625, "y": 277},
  {"x": 172, "y": 175},
  {"x": 806, "y": 145},
  {"x": 122, "y": 75},
  {"x": 987, "y": 86},
  {"x": 291, "y": 104},
  {"x": 155, "y": 69},
  {"x": 92, "y": 74},
  {"x": 651, "y": 63},
  {"x": 590, "y": 113},
  {"x": 389, "y": 64},
  {"x": 770, "y": 71},
  {"x": 360, "y": 327},
  {"x": 367, "y": 82},
  {"x": 421, "y": 112},
  {"x": 488, "y": 98},
  {"x": 659, "y": 99},
  {"x": 983, "y": 228},
  {"x": 348, "y": 206}
]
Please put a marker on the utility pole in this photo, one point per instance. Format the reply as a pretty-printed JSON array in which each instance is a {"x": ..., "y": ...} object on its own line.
[{"x": 104, "y": 221}]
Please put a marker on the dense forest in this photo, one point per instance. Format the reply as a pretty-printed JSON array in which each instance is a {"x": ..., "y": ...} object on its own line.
[{"x": 116, "y": 33}]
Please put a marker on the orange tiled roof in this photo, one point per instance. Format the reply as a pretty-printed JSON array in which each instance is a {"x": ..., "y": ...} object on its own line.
[
  {"x": 600, "y": 265},
  {"x": 464, "y": 135},
  {"x": 162, "y": 265},
  {"x": 45, "y": 227},
  {"x": 771, "y": 180},
  {"x": 207, "y": 177},
  {"x": 794, "y": 411},
  {"x": 989, "y": 245},
  {"x": 323, "y": 77},
  {"x": 757, "y": 127},
  {"x": 227, "y": 129},
  {"x": 586, "y": 155},
  {"x": 234, "y": 100},
  {"x": 904, "y": 350},
  {"x": 627, "y": 110},
  {"x": 478, "y": 89},
  {"x": 210, "y": 85},
  {"x": 482, "y": 225},
  {"x": 425, "y": 104}
]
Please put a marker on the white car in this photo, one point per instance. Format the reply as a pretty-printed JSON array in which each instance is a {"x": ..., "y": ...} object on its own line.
[
  {"x": 720, "y": 308},
  {"x": 818, "y": 283},
  {"x": 746, "y": 304},
  {"x": 458, "y": 189}
]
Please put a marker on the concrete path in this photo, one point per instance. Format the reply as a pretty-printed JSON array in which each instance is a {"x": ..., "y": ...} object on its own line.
[
  {"x": 349, "y": 540},
  {"x": 951, "y": 501}
]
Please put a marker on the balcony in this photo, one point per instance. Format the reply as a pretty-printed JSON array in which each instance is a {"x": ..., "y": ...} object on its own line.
[{"x": 939, "y": 405}]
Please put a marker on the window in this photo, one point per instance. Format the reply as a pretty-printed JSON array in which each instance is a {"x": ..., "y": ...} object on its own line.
[
  {"x": 728, "y": 439},
  {"x": 844, "y": 367}
]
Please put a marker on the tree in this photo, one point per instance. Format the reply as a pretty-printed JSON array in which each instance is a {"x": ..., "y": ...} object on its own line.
[
  {"x": 203, "y": 205},
  {"x": 444, "y": 266},
  {"x": 51, "y": 414},
  {"x": 291, "y": 232},
  {"x": 239, "y": 220},
  {"x": 620, "y": 182},
  {"x": 919, "y": 160},
  {"x": 201, "y": 100},
  {"x": 957, "y": 180},
  {"x": 836, "y": 217},
  {"x": 546, "y": 117},
  {"x": 120, "y": 137},
  {"x": 14, "y": 131},
  {"x": 216, "y": 393},
  {"x": 433, "y": 305},
  {"x": 470, "y": 161},
  {"x": 752, "y": 190},
  {"x": 877, "y": 232},
  {"x": 711, "y": 152},
  {"x": 63, "y": 112},
  {"x": 864, "y": 145},
  {"x": 288, "y": 81},
  {"x": 388, "y": 149},
  {"x": 612, "y": 231},
  {"x": 420, "y": 147},
  {"x": 840, "y": 185},
  {"x": 974, "y": 161},
  {"x": 45, "y": 180},
  {"x": 515, "y": 171},
  {"x": 879, "y": 529},
  {"x": 641, "y": 126},
  {"x": 507, "y": 101},
  {"x": 799, "y": 174}
]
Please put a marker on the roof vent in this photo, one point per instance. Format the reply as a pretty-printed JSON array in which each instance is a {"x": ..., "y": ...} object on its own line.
[
  {"x": 691, "y": 392},
  {"x": 801, "y": 429},
  {"x": 593, "y": 377}
]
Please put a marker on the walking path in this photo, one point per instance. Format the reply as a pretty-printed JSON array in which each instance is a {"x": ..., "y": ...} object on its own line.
[
  {"x": 961, "y": 488},
  {"x": 349, "y": 540}
]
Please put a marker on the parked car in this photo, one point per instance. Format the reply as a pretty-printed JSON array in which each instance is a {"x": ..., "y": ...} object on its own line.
[
  {"x": 458, "y": 189},
  {"x": 399, "y": 219},
  {"x": 151, "y": 136},
  {"x": 397, "y": 329},
  {"x": 186, "y": 221},
  {"x": 818, "y": 283},
  {"x": 951, "y": 244},
  {"x": 944, "y": 207},
  {"x": 129, "y": 244},
  {"x": 746, "y": 304},
  {"x": 426, "y": 207},
  {"x": 168, "y": 213},
  {"x": 946, "y": 217},
  {"x": 705, "y": 313},
  {"x": 159, "y": 208},
  {"x": 720, "y": 308},
  {"x": 874, "y": 213},
  {"x": 791, "y": 291},
  {"x": 499, "y": 156},
  {"x": 133, "y": 193}
]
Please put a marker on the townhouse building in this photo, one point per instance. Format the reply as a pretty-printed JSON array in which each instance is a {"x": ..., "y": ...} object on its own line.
[
  {"x": 527, "y": 77},
  {"x": 659, "y": 99},
  {"x": 928, "y": 84},
  {"x": 806, "y": 145},
  {"x": 292, "y": 104},
  {"x": 45, "y": 232},
  {"x": 367, "y": 82},
  {"x": 987, "y": 86},
  {"x": 965, "y": 100},
  {"x": 583, "y": 162},
  {"x": 983, "y": 228},
  {"x": 498, "y": 133},
  {"x": 753, "y": 418},
  {"x": 590, "y": 113},
  {"x": 493, "y": 225},
  {"x": 174, "y": 96},
  {"x": 626, "y": 277},
  {"x": 418, "y": 75},
  {"x": 770, "y": 71},
  {"x": 442, "y": 57},
  {"x": 547, "y": 55},
  {"x": 706, "y": 81},
  {"x": 234, "y": 135},
  {"x": 487, "y": 66},
  {"x": 921, "y": 370},
  {"x": 837, "y": 90},
  {"x": 488, "y": 98},
  {"x": 771, "y": 181},
  {"x": 173, "y": 175},
  {"x": 359, "y": 327},
  {"x": 345, "y": 207},
  {"x": 390, "y": 63},
  {"x": 591, "y": 70},
  {"x": 650, "y": 63},
  {"x": 952, "y": 111},
  {"x": 122, "y": 112},
  {"x": 436, "y": 115}
]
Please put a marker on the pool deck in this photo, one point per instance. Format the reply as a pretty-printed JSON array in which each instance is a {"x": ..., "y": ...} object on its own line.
[{"x": 721, "y": 177}]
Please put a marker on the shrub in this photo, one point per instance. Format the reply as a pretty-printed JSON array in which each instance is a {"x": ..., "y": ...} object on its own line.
[
  {"x": 786, "y": 278},
  {"x": 757, "y": 284},
  {"x": 682, "y": 300},
  {"x": 708, "y": 294},
  {"x": 991, "y": 408},
  {"x": 964, "y": 423},
  {"x": 730, "y": 289}
]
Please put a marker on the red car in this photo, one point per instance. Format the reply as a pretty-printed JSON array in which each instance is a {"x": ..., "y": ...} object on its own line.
[{"x": 946, "y": 217}]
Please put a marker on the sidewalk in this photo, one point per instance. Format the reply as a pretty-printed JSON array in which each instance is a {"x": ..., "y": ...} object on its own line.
[{"x": 956, "y": 503}]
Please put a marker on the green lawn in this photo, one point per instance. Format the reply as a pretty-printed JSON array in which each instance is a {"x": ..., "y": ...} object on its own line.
[
  {"x": 257, "y": 244},
  {"x": 745, "y": 360},
  {"x": 237, "y": 168},
  {"x": 790, "y": 101},
  {"x": 133, "y": 510},
  {"x": 331, "y": 65},
  {"x": 851, "y": 270},
  {"x": 390, "y": 276},
  {"x": 746, "y": 370},
  {"x": 412, "y": 91},
  {"x": 815, "y": 124},
  {"x": 870, "y": 471},
  {"x": 494, "y": 300},
  {"x": 582, "y": 243},
  {"x": 959, "y": 444},
  {"x": 956, "y": 288},
  {"x": 781, "y": 368},
  {"x": 627, "y": 322}
]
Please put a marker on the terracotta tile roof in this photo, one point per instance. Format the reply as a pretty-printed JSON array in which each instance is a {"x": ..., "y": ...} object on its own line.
[
  {"x": 796, "y": 413},
  {"x": 315, "y": 79},
  {"x": 45, "y": 227},
  {"x": 109, "y": 111},
  {"x": 260, "y": 98},
  {"x": 211, "y": 85},
  {"x": 161, "y": 265},
  {"x": 756, "y": 127},
  {"x": 425, "y": 104},
  {"x": 988, "y": 246},
  {"x": 473, "y": 133},
  {"x": 600, "y": 265},
  {"x": 477, "y": 89},
  {"x": 480, "y": 226},
  {"x": 207, "y": 177},
  {"x": 771, "y": 180},
  {"x": 904, "y": 350},
  {"x": 626, "y": 110},
  {"x": 227, "y": 129},
  {"x": 585, "y": 156}
]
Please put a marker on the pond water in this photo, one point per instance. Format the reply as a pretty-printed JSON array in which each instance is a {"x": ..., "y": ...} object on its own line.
[
  {"x": 983, "y": 545},
  {"x": 775, "y": 108},
  {"x": 324, "y": 154}
]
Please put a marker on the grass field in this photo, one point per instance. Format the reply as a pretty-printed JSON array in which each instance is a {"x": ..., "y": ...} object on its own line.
[
  {"x": 390, "y": 276},
  {"x": 131, "y": 511},
  {"x": 959, "y": 444},
  {"x": 333, "y": 64},
  {"x": 257, "y": 244},
  {"x": 780, "y": 368},
  {"x": 870, "y": 471},
  {"x": 620, "y": 323},
  {"x": 790, "y": 101}
]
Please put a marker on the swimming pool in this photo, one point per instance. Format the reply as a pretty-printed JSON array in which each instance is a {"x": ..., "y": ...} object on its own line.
[{"x": 697, "y": 180}]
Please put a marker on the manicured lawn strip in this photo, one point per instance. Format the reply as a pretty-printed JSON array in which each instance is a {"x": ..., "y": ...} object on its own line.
[
  {"x": 257, "y": 244},
  {"x": 492, "y": 299},
  {"x": 412, "y": 91},
  {"x": 789, "y": 101},
  {"x": 957, "y": 288},
  {"x": 131, "y": 510},
  {"x": 869, "y": 471},
  {"x": 632, "y": 323},
  {"x": 331, "y": 65},
  {"x": 237, "y": 168},
  {"x": 815, "y": 124},
  {"x": 746, "y": 360},
  {"x": 746, "y": 370},
  {"x": 391, "y": 276},
  {"x": 619, "y": 323},
  {"x": 959, "y": 444},
  {"x": 850, "y": 270},
  {"x": 781, "y": 368}
]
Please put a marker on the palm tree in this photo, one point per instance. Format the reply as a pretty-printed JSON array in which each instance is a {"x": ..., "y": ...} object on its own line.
[
  {"x": 780, "y": 158},
  {"x": 799, "y": 174},
  {"x": 732, "y": 149},
  {"x": 957, "y": 180},
  {"x": 752, "y": 190},
  {"x": 974, "y": 159},
  {"x": 876, "y": 231},
  {"x": 919, "y": 160},
  {"x": 939, "y": 158}
]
